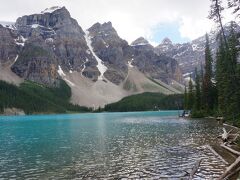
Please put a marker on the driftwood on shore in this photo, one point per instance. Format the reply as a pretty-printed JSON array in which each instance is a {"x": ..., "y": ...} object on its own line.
[
  {"x": 233, "y": 173},
  {"x": 195, "y": 169},
  {"x": 216, "y": 154},
  {"x": 230, "y": 150},
  {"x": 226, "y": 135},
  {"x": 231, "y": 170},
  {"x": 229, "y": 138}
]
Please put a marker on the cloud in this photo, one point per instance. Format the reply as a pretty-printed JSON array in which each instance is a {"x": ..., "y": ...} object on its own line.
[{"x": 131, "y": 18}]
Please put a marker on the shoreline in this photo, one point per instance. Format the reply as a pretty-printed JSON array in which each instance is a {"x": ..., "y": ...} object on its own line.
[
  {"x": 77, "y": 113},
  {"x": 225, "y": 155}
]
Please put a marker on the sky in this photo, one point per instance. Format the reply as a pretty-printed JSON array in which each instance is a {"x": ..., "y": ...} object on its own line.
[{"x": 179, "y": 20}]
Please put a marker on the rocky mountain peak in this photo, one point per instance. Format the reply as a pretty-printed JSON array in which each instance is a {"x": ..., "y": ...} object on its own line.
[
  {"x": 48, "y": 46},
  {"x": 52, "y": 9},
  {"x": 191, "y": 55},
  {"x": 50, "y": 17},
  {"x": 140, "y": 42},
  {"x": 105, "y": 29},
  {"x": 167, "y": 41},
  {"x": 7, "y": 24},
  {"x": 107, "y": 25},
  {"x": 165, "y": 46}
]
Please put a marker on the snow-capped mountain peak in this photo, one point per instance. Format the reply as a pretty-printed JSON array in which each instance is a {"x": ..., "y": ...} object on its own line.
[
  {"x": 191, "y": 55},
  {"x": 166, "y": 41},
  {"x": 141, "y": 41},
  {"x": 51, "y": 9}
]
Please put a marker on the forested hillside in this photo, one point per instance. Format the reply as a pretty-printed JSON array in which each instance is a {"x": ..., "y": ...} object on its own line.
[
  {"x": 216, "y": 90},
  {"x": 34, "y": 98},
  {"x": 147, "y": 102}
]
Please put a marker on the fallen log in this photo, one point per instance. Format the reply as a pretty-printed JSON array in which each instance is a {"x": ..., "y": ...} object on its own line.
[
  {"x": 233, "y": 173},
  {"x": 230, "y": 126},
  {"x": 229, "y": 137},
  {"x": 237, "y": 153},
  {"x": 234, "y": 138},
  {"x": 219, "y": 118},
  {"x": 216, "y": 154},
  {"x": 225, "y": 135},
  {"x": 231, "y": 169},
  {"x": 194, "y": 169}
]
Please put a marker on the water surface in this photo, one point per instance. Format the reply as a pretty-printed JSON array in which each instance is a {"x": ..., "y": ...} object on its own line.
[{"x": 107, "y": 145}]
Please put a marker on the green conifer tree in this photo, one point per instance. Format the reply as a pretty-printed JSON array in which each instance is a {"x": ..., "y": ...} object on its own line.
[
  {"x": 208, "y": 100},
  {"x": 198, "y": 92},
  {"x": 190, "y": 94},
  {"x": 185, "y": 98}
]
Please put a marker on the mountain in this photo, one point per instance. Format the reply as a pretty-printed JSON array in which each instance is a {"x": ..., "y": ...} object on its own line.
[
  {"x": 159, "y": 67},
  {"x": 111, "y": 49},
  {"x": 192, "y": 54},
  {"x": 98, "y": 65}
]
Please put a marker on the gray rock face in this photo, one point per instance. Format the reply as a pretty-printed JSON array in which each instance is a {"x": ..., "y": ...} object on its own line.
[
  {"x": 141, "y": 41},
  {"x": 64, "y": 39},
  {"x": 191, "y": 55},
  {"x": 36, "y": 63},
  {"x": 117, "y": 54},
  {"x": 51, "y": 40},
  {"x": 111, "y": 49},
  {"x": 154, "y": 65},
  {"x": 8, "y": 46}
]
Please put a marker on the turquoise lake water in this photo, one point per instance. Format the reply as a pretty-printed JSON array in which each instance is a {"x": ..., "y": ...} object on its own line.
[{"x": 106, "y": 146}]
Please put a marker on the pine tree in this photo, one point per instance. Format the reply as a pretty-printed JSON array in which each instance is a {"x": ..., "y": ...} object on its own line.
[
  {"x": 235, "y": 4},
  {"x": 227, "y": 79},
  {"x": 208, "y": 101},
  {"x": 221, "y": 77},
  {"x": 232, "y": 80},
  {"x": 185, "y": 98},
  {"x": 201, "y": 86},
  {"x": 197, "y": 102},
  {"x": 215, "y": 14},
  {"x": 190, "y": 94}
]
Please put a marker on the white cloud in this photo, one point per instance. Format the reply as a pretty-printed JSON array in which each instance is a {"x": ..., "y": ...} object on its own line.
[
  {"x": 192, "y": 29},
  {"x": 131, "y": 18}
]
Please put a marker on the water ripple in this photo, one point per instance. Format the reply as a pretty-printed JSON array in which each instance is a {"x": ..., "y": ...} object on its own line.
[{"x": 108, "y": 146}]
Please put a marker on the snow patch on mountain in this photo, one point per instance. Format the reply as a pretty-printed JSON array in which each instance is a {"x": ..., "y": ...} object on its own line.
[
  {"x": 9, "y": 25},
  {"x": 51, "y": 10},
  {"x": 20, "y": 40},
  {"x": 84, "y": 65},
  {"x": 130, "y": 63},
  {"x": 101, "y": 67},
  {"x": 60, "y": 72},
  {"x": 35, "y": 26},
  {"x": 63, "y": 75},
  {"x": 15, "y": 60},
  {"x": 187, "y": 74},
  {"x": 140, "y": 42},
  {"x": 69, "y": 82}
]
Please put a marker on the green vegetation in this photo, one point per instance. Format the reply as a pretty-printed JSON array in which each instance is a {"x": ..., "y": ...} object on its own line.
[
  {"x": 34, "y": 98},
  {"x": 220, "y": 89},
  {"x": 147, "y": 102}
]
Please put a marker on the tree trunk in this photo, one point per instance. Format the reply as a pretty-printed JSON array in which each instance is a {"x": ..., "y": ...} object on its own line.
[{"x": 231, "y": 169}]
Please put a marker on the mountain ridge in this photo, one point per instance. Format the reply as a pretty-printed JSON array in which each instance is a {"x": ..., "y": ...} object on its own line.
[
  {"x": 49, "y": 46},
  {"x": 191, "y": 55}
]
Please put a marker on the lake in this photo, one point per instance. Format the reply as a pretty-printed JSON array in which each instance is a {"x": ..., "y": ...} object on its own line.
[{"x": 154, "y": 145}]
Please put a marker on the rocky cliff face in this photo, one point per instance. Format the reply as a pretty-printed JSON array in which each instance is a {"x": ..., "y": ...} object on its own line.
[
  {"x": 156, "y": 66},
  {"x": 111, "y": 49},
  {"x": 192, "y": 54},
  {"x": 61, "y": 42},
  {"x": 51, "y": 41},
  {"x": 117, "y": 55},
  {"x": 8, "y": 46},
  {"x": 48, "y": 46}
]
